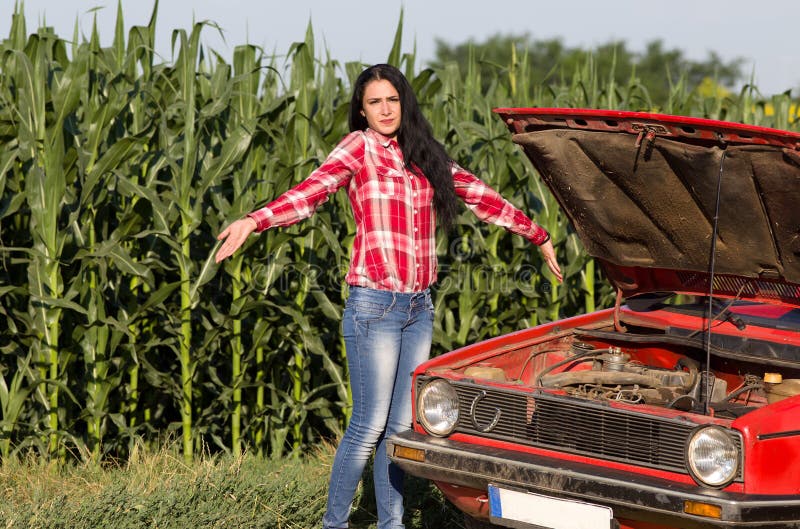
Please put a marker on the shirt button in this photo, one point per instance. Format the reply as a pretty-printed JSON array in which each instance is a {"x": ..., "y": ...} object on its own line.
[{"x": 415, "y": 229}]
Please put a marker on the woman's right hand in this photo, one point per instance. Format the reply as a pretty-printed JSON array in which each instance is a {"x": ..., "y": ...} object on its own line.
[{"x": 234, "y": 236}]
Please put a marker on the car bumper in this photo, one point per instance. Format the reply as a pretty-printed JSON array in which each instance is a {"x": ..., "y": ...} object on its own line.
[{"x": 631, "y": 496}]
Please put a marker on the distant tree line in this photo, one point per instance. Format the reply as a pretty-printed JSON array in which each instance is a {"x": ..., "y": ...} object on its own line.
[{"x": 656, "y": 68}]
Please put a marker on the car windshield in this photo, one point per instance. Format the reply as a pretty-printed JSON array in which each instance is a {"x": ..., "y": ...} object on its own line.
[{"x": 740, "y": 313}]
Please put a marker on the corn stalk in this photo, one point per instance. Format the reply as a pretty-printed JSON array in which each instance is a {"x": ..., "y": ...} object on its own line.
[{"x": 42, "y": 154}]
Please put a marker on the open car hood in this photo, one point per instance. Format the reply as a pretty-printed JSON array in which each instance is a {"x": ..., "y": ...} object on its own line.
[{"x": 647, "y": 192}]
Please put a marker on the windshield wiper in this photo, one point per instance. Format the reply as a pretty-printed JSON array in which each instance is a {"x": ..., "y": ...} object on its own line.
[{"x": 728, "y": 315}]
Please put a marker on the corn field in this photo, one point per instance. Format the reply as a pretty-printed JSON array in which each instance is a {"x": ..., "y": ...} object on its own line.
[{"x": 117, "y": 172}]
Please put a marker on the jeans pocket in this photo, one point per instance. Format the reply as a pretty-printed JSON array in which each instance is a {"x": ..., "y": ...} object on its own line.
[{"x": 366, "y": 311}]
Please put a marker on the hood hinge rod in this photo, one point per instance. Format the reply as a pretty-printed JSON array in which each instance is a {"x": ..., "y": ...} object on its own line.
[{"x": 618, "y": 326}]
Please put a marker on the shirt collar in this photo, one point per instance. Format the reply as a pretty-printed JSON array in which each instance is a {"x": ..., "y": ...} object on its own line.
[{"x": 385, "y": 141}]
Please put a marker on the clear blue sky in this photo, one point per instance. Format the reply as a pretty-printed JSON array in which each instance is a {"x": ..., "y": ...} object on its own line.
[{"x": 759, "y": 32}]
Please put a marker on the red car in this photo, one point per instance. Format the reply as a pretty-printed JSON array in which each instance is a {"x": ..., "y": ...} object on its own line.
[{"x": 676, "y": 409}]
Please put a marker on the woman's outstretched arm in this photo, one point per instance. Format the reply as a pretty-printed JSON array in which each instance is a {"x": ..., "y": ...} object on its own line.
[{"x": 489, "y": 206}]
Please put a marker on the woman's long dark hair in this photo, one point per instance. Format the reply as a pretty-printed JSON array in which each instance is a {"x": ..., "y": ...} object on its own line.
[{"x": 415, "y": 138}]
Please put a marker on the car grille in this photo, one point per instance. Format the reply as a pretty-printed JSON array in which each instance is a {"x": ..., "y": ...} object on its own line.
[{"x": 577, "y": 426}]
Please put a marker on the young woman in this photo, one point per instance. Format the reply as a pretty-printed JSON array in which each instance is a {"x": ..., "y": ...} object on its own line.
[{"x": 401, "y": 184}]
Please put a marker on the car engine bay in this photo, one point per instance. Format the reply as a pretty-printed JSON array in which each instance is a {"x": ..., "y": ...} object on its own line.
[{"x": 666, "y": 376}]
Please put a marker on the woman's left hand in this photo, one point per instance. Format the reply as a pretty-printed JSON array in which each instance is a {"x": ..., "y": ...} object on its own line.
[{"x": 549, "y": 255}]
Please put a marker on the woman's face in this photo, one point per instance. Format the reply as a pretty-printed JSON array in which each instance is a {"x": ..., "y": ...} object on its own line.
[{"x": 381, "y": 107}]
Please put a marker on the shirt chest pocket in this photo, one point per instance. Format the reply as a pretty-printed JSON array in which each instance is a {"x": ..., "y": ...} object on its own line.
[{"x": 388, "y": 181}]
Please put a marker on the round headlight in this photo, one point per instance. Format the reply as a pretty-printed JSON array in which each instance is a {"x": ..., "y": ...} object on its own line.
[
  {"x": 712, "y": 456},
  {"x": 437, "y": 407}
]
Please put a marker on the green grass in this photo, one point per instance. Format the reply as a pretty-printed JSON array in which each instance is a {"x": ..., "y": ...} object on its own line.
[{"x": 160, "y": 490}]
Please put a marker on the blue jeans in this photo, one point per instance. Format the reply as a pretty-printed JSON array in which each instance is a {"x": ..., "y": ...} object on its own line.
[{"x": 387, "y": 335}]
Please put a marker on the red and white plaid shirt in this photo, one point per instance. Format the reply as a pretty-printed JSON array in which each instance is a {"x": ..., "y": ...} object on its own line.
[{"x": 394, "y": 246}]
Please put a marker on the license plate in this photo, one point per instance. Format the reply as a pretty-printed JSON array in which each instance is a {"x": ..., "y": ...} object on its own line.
[{"x": 544, "y": 511}]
